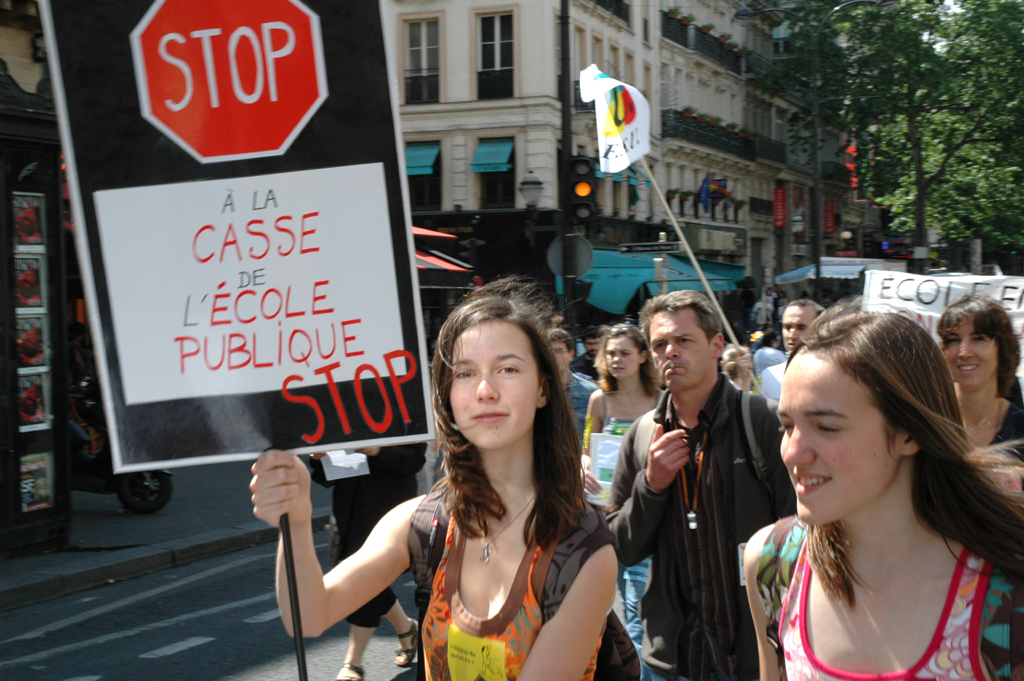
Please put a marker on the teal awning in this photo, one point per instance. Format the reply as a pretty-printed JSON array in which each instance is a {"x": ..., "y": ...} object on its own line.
[
  {"x": 725, "y": 270},
  {"x": 420, "y": 157},
  {"x": 492, "y": 156},
  {"x": 638, "y": 176},
  {"x": 616, "y": 277}
]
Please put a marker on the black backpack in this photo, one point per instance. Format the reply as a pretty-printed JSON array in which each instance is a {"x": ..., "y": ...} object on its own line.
[{"x": 616, "y": 658}]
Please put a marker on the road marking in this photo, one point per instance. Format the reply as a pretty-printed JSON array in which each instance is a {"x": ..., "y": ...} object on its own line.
[
  {"x": 178, "y": 647},
  {"x": 103, "y": 609},
  {"x": 263, "y": 617},
  {"x": 71, "y": 647},
  {"x": 85, "y": 678}
]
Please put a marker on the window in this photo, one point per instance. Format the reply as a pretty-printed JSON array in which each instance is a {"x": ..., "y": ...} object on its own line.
[
  {"x": 423, "y": 166},
  {"x": 421, "y": 77},
  {"x": 494, "y": 77},
  {"x": 780, "y": 39},
  {"x": 628, "y": 70},
  {"x": 612, "y": 67},
  {"x": 495, "y": 163}
]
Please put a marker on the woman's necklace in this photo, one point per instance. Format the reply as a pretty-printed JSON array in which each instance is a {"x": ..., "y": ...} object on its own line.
[{"x": 487, "y": 550}]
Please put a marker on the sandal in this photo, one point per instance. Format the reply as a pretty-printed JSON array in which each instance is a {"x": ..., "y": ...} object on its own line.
[
  {"x": 349, "y": 672},
  {"x": 404, "y": 657}
]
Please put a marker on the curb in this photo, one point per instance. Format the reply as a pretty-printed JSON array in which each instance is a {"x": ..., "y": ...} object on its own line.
[{"x": 62, "y": 578}]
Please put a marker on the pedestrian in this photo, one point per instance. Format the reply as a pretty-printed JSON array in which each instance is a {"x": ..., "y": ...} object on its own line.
[
  {"x": 690, "y": 489},
  {"x": 629, "y": 388},
  {"x": 577, "y": 385},
  {"x": 737, "y": 367},
  {"x": 513, "y": 489},
  {"x": 358, "y": 503},
  {"x": 768, "y": 355},
  {"x": 796, "y": 320},
  {"x": 584, "y": 364},
  {"x": 899, "y": 522},
  {"x": 983, "y": 353}
]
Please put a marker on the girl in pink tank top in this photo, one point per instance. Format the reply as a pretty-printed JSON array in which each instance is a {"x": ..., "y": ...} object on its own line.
[{"x": 905, "y": 547}]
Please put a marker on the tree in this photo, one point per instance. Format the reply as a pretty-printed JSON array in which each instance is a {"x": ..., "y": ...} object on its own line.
[{"x": 935, "y": 89}]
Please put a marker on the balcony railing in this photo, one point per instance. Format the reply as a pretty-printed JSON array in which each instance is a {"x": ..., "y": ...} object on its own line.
[
  {"x": 835, "y": 172},
  {"x": 675, "y": 124},
  {"x": 773, "y": 150},
  {"x": 579, "y": 104},
  {"x": 494, "y": 84},
  {"x": 420, "y": 87},
  {"x": 618, "y": 8},
  {"x": 758, "y": 64},
  {"x": 761, "y": 206},
  {"x": 705, "y": 43}
]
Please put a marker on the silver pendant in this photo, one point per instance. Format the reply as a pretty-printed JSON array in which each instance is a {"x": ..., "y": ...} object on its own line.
[
  {"x": 691, "y": 518},
  {"x": 487, "y": 550}
]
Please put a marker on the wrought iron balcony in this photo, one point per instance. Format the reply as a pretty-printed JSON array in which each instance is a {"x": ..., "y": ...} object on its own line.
[
  {"x": 421, "y": 87},
  {"x": 758, "y": 64},
  {"x": 705, "y": 43},
  {"x": 773, "y": 150},
  {"x": 675, "y": 124},
  {"x": 835, "y": 172},
  {"x": 673, "y": 30},
  {"x": 761, "y": 206},
  {"x": 579, "y": 104},
  {"x": 618, "y": 8},
  {"x": 494, "y": 84}
]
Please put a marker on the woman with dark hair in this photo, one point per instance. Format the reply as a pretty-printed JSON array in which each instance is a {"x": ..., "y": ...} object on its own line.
[
  {"x": 983, "y": 353},
  {"x": 899, "y": 524},
  {"x": 513, "y": 492}
]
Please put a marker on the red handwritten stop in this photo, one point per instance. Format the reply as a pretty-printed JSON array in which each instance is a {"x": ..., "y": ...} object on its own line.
[{"x": 229, "y": 80}]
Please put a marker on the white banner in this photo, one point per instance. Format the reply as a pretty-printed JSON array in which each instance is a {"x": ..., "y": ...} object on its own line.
[
  {"x": 923, "y": 298},
  {"x": 623, "y": 119}
]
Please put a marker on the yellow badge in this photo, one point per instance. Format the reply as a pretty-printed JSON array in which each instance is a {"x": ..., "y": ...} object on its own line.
[{"x": 472, "y": 658}]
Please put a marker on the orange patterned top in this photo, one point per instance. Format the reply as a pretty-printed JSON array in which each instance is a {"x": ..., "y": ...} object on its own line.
[{"x": 458, "y": 646}]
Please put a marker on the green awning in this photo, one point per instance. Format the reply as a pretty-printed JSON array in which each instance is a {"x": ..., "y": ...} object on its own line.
[
  {"x": 420, "y": 157},
  {"x": 492, "y": 156}
]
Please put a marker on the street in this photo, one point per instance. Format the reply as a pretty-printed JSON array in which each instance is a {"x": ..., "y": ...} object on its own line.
[{"x": 212, "y": 619}]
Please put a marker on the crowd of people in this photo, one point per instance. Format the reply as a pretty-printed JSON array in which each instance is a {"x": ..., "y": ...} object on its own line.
[{"x": 842, "y": 503}]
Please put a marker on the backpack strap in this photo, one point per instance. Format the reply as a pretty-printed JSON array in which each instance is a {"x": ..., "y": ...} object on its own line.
[
  {"x": 429, "y": 524},
  {"x": 1002, "y": 628},
  {"x": 748, "y": 428},
  {"x": 642, "y": 440},
  {"x": 776, "y": 566}
]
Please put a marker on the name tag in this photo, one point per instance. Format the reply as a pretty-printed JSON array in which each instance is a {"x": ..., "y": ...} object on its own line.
[{"x": 472, "y": 658}]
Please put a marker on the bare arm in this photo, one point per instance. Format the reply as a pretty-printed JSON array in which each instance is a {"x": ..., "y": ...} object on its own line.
[
  {"x": 564, "y": 645},
  {"x": 280, "y": 485},
  {"x": 765, "y": 649}
]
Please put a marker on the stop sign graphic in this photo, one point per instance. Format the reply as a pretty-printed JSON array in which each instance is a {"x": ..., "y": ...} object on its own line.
[{"x": 229, "y": 80}]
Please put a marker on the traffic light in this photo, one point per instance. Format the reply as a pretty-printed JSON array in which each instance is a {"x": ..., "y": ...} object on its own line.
[{"x": 583, "y": 180}]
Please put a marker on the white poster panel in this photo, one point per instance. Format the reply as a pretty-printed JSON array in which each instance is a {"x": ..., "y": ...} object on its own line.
[
  {"x": 604, "y": 454},
  {"x": 923, "y": 298}
]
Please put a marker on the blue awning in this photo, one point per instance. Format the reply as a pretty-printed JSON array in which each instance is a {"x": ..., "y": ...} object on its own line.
[
  {"x": 616, "y": 277},
  {"x": 492, "y": 156},
  {"x": 420, "y": 157}
]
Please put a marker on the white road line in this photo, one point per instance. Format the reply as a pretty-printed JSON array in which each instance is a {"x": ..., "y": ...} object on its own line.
[
  {"x": 263, "y": 617},
  {"x": 103, "y": 609},
  {"x": 85, "y": 678},
  {"x": 45, "y": 654},
  {"x": 178, "y": 647}
]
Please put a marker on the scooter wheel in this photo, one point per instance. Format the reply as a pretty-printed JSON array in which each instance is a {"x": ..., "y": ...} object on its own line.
[{"x": 143, "y": 492}]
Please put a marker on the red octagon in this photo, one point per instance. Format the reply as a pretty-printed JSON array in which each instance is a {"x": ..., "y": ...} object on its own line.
[{"x": 229, "y": 80}]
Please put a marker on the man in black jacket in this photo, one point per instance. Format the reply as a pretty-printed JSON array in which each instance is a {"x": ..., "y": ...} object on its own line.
[{"x": 692, "y": 494}]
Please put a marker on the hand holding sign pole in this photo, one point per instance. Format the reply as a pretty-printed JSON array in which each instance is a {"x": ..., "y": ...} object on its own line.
[{"x": 623, "y": 137}]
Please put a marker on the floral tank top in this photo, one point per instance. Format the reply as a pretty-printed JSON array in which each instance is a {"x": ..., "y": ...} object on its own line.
[
  {"x": 458, "y": 646},
  {"x": 952, "y": 655}
]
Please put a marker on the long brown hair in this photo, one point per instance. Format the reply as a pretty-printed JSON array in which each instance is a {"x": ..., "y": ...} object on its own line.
[
  {"x": 954, "y": 492},
  {"x": 989, "y": 319},
  {"x": 650, "y": 381},
  {"x": 468, "y": 493}
]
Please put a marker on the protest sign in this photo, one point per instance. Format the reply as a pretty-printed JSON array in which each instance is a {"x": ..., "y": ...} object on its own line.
[
  {"x": 604, "y": 454},
  {"x": 236, "y": 177},
  {"x": 923, "y": 298},
  {"x": 623, "y": 119}
]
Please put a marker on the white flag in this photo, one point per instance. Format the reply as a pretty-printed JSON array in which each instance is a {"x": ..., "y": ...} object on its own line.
[{"x": 623, "y": 119}]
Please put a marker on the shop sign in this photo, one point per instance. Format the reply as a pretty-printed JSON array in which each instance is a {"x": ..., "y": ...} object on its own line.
[
  {"x": 847, "y": 254},
  {"x": 779, "y": 208},
  {"x": 247, "y": 258},
  {"x": 830, "y": 216}
]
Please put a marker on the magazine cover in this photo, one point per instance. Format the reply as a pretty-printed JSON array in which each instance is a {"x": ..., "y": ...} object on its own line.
[
  {"x": 29, "y": 339},
  {"x": 32, "y": 405},
  {"x": 28, "y": 282},
  {"x": 28, "y": 220},
  {"x": 36, "y": 482}
]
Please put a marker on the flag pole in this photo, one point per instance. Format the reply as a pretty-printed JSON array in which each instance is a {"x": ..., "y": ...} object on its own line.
[{"x": 693, "y": 258}]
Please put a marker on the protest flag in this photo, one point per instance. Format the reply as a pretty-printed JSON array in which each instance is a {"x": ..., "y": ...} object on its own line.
[
  {"x": 623, "y": 119},
  {"x": 705, "y": 193}
]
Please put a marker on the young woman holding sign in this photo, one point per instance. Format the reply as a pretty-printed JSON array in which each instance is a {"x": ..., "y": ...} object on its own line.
[
  {"x": 513, "y": 491},
  {"x": 906, "y": 558}
]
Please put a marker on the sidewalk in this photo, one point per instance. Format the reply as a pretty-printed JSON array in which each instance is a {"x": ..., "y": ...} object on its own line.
[{"x": 209, "y": 514}]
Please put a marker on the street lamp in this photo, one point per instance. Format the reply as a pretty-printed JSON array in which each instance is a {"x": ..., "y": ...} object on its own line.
[
  {"x": 745, "y": 14},
  {"x": 531, "y": 189}
]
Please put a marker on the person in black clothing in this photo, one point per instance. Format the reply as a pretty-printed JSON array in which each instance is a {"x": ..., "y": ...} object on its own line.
[
  {"x": 584, "y": 364},
  {"x": 983, "y": 353},
  {"x": 358, "y": 503}
]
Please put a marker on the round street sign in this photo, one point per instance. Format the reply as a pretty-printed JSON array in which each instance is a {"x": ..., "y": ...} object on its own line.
[
  {"x": 582, "y": 249},
  {"x": 229, "y": 80}
]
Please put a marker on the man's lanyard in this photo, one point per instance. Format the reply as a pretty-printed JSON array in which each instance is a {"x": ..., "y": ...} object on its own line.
[{"x": 691, "y": 511}]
